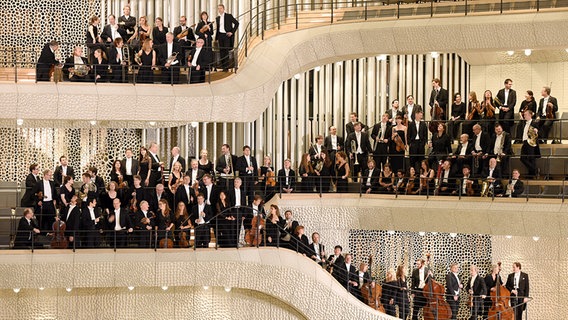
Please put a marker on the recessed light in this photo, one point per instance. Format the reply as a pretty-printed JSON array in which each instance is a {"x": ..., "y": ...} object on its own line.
[
  {"x": 68, "y": 289},
  {"x": 317, "y": 69},
  {"x": 422, "y": 233},
  {"x": 164, "y": 288},
  {"x": 130, "y": 288},
  {"x": 152, "y": 123},
  {"x": 508, "y": 237},
  {"x": 20, "y": 122},
  {"x": 194, "y": 124},
  {"x": 510, "y": 53},
  {"x": 205, "y": 287},
  {"x": 453, "y": 234},
  {"x": 535, "y": 238},
  {"x": 434, "y": 54},
  {"x": 340, "y": 63},
  {"x": 297, "y": 76},
  {"x": 434, "y": 233},
  {"x": 390, "y": 231},
  {"x": 41, "y": 288},
  {"x": 16, "y": 290},
  {"x": 528, "y": 52},
  {"x": 93, "y": 122},
  {"x": 382, "y": 57},
  {"x": 227, "y": 289}
]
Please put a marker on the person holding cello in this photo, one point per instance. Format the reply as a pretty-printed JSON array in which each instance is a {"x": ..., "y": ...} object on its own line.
[
  {"x": 518, "y": 284},
  {"x": 477, "y": 290},
  {"x": 490, "y": 282}
]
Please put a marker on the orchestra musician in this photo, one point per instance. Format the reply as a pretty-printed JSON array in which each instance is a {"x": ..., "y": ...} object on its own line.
[
  {"x": 147, "y": 62},
  {"x": 227, "y": 233},
  {"x": 186, "y": 41},
  {"x": 346, "y": 273},
  {"x": 370, "y": 177},
  {"x": 247, "y": 167},
  {"x": 93, "y": 41},
  {"x": 515, "y": 186},
  {"x": 29, "y": 199},
  {"x": 381, "y": 135},
  {"x": 195, "y": 173},
  {"x": 439, "y": 95},
  {"x": 457, "y": 116},
  {"x": 274, "y": 223},
  {"x": 336, "y": 259},
  {"x": 418, "y": 137},
  {"x": 227, "y": 25},
  {"x": 530, "y": 151},
  {"x": 45, "y": 206},
  {"x": 317, "y": 250},
  {"x": 342, "y": 171},
  {"x": 62, "y": 170},
  {"x": 500, "y": 148},
  {"x": 490, "y": 283},
  {"x": 164, "y": 220},
  {"x": 427, "y": 176},
  {"x": 481, "y": 142},
  {"x": 399, "y": 133},
  {"x": 204, "y": 163},
  {"x": 394, "y": 112},
  {"x": 127, "y": 22},
  {"x": 236, "y": 197},
  {"x": 446, "y": 180},
  {"x": 489, "y": 110},
  {"x": 306, "y": 171},
  {"x": 400, "y": 181},
  {"x": 91, "y": 223},
  {"x": 182, "y": 223},
  {"x": 141, "y": 33},
  {"x": 468, "y": 185},
  {"x": 508, "y": 99},
  {"x": 145, "y": 223},
  {"x": 185, "y": 193},
  {"x": 47, "y": 61},
  {"x": 350, "y": 126},
  {"x": 75, "y": 63},
  {"x": 199, "y": 61},
  {"x": 333, "y": 144},
  {"x": 453, "y": 289},
  {"x": 267, "y": 170},
  {"x": 547, "y": 108},
  {"x": 473, "y": 113},
  {"x": 177, "y": 158},
  {"x": 493, "y": 174},
  {"x": 27, "y": 231},
  {"x": 225, "y": 165},
  {"x": 112, "y": 31},
  {"x": 419, "y": 278},
  {"x": 130, "y": 166},
  {"x": 200, "y": 216},
  {"x": 390, "y": 292},
  {"x": 100, "y": 66},
  {"x": 363, "y": 278},
  {"x": 159, "y": 32},
  {"x": 117, "y": 173},
  {"x": 72, "y": 218},
  {"x": 410, "y": 110},
  {"x": 119, "y": 221},
  {"x": 157, "y": 167},
  {"x": 476, "y": 288},
  {"x": 205, "y": 28},
  {"x": 117, "y": 61},
  {"x": 441, "y": 145},
  {"x": 528, "y": 104},
  {"x": 402, "y": 300},
  {"x": 386, "y": 179},
  {"x": 154, "y": 197},
  {"x": 316, "y": 149},
  {"x": 289, "y": 227},
  {"x": 323, "y": 172},
  {"x": 287, "y": 177},
  {"x": 66, "y": 192},
  {"x": 518, "y": 285},
  {"x": 463, "y": 154},
  {"x": 169, "y": 60}
]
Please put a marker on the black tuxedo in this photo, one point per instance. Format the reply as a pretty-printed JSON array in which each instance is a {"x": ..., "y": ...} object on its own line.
[
  {"x": 127, "y": 24},
  {"x": 90, "y": 228},
  {"x": 452, "y": 289},
  {"x": 442, "y": 97},
  {"x": 181, "y": 161},
  {"x": 152, "y": 198},
  {"x": 134, "y": 170},
  {"x": 182, "y": 196},
  {"x": 200, "y": 174},
  {"x": 116, "y": 64},
  {"x": 374, "y": 180},
  {"x": 417, "y": 108},
  {"x": 72, "y": 220},
  {"x": 419, "y": 299},
  {"x": 202, "y": 233},
  {"x": 248, "y": 178},
  {"x": 506, "y": 150},
  {"x": 155, "y": 173},
  {"x": 29, "y": 198},
  {"x": 381, "y": 148},
  {"x": 144, "y": 235},
  {"x": 505, "y": 118},
  {"x": 518, "y": 188},
  {"x": 313, "y": 151},
  {"x": 70, "y": 63},
  {"x": 479, "y": 289},
  {"x": 416, "y": 146},
  {"x": 365, "y": 148},
  {"x": 546, "y": 123},
  {"x": 231, "y": 194},
  {"x": 125, "y": 224},
  {"x": 344, "y": 275},
  {"x": 312, "y": 251},
  {"x": 226, "y": 43},
  {"x": 282, "y": 179},
  {"x": 204, "y": 60},
  {"x": 58, "y": 175},
  {"x": 329, "y": 147},
  {"x": 497, "y": 175},
  {"x": 169, "y": 74},
  {"x": 190, "y": 36},
  {"x": 46, "y": 213},
  {"x": 350, "y": 128},
  {"x": 522, "y": 292},
  {"x": 25, "y": 233},
  {"x": 221, "y": 164},
  {"x": 393, "y": 115},
  {"x": 213, "y": 198},
  {"x": 484, "y": 142},
  {"x": 460, "y": 162},
  {"x": 44, "y": 63},
  {"x": 529, "y": 154},
  {"x": 106, "y": 35},
  {"x": 339, "y": 261}
]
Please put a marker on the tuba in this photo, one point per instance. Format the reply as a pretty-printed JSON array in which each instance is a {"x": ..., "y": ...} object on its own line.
[
  {"x": 532, "y": 136},
  {"x": 354, "y": 151}
]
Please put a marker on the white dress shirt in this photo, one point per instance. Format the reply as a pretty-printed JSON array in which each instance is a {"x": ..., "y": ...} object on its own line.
[
  {"x": 47, "y": 196},
  {"x": 117, "y": 226},
  {"x": 222, "y": 23}
]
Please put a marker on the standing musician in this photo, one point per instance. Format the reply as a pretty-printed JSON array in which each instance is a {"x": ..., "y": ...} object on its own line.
[
  {"x": 395, "y": 112},
  {"x": 547, "y": 108},
  {"x": 91, "y": 223},
  {"x": 346, "y": 273},
  {"x": 76, "y": 67},
  {"x": 127, "y": 22},
  {"x": 419, "y": 278},
  {"x": 112, "y": 31},
  {"x": 316, "y": 150},
  {"x": 336, "y": 259},
  {"x": 204, "y": 29},
  {"x": 130, "y": 166},
  {"x": 248, "y": 171},
  {"x": 144, "y": 224},
  {"x": 185, "y": 193},
  {"x": 46, "y": 199},
  {"x": 363, "y": 279},
  {"x": 481, "y": 142},
  {"x": 287, "y": 177},
  {"x": 350, "y": 126},
  {"x": 227, "y": 25},
  {"x": 176, "y": 157},
  {"x": 169, "y": 60},
  {"x": 28, "y": 200},
  {"x": 477, "y": 290},
  {"x": 381, "y": 134},
  {"x": 47, "y": 61},
  {"x": 118, "y": 61},
  {"x": 159, "y": 32},
  {"x": 316, "y": 251},
  {"x": 402, "y": 296},
  {"x": 439, "y": 96},
  {"x": 199, "y": 61},
  {"x": 488, "y": 110},
  {"x": 530, "y": 151},
  {"x": 200, "y": 216},
  {"x": 61, "y": 171},
  {"x": 333, "y": 143},
  {"x": 185, "y": 37},
  {"x": 195, "y": 173},
  {"x": 490, "y": 283},
  {"x": 453, "y": 289},
  {"x": 473, "y": 113},
  {"x": 225, "y": 165},
  {"x": 457, "y": 116},
  {"x": 418, "y": 137},
  {"x": 398, "y": 145},
  {"x": 358, "y": 146},
  {"x": 410, "y": 109},
  {"x": 507, "y": 98},
  {"x": 157, "y": 167},
  {"x": 518, "y": 284}
]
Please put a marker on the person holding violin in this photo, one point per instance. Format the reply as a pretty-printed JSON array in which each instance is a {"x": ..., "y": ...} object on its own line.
[
  {"x": 488, "y": 108},
  {"x": 200, "y": 216},
  {"x": 547, "y": 108},
  {"x": 477, "y": 291},
  {"x": 419, "y": 278},
  {"x": 181, "y": 224},
  {"x": 438, "y": 100},
  {"x": 518, "y": 284},
  {"x": 453, "y": 289},
  {"x": 164, "y": 221},
  {"x": 398, "y": 144},
  {"x": 145, "y": 223},
  {"x": 267, "y": 181},
  {"x": 490, "y": 283}
]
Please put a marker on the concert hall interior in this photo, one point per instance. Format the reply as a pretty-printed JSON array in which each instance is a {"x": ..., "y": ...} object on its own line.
[{"x": 283, "y": 159}]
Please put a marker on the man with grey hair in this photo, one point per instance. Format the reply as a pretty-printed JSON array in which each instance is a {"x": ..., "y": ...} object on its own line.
[
  {"x": 157, "y": 165},
  {"x": 46, "y": 60},
  {"x": 169, "y": 60},
  {"x": 477, "y": 289},
  {"x": 177, "y": 157}
]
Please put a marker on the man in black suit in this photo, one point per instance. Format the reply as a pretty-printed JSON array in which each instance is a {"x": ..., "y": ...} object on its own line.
[
  {"x": 45, "y": 208},
  {"x": 467, "y": 183},
  {"x": 508, "y": 99},
  {"x": 333, "y": 144},
  {"x": 27, "y": 230},
  {"x": 200, "y": 216},
  {"x": 290, "y": 226},
  {"x": 316, "y": 249},
  {"x": 231, "y": 228},
  {"x": 185, "y": 42},
  {"x": 209, "y": 191},
  {"x": 157, "y": 166},
  {"x": 130, "y": 166},
  {"x": 248, "y": 171},
  {"x": 73, "y": 64},
  {"x": 362, "y": 148},
  {"x": 185, "y": 194},
  {"x": 515, "y": 186},
  {"x": 492, "y": 175},
  {"x": 463, "y": 152},
  {"x": 501, "y": 148},
  {"x": 29, "y": 198},
  {"x": 529, "y": 152},
  {"x": 440, "y": 97},
  {"x": 225, "y": 166},
  {"x": 119, "y": 221},
  {"x": 127, "y": 22},
  {"x": 420, "y": 276},
  {"x": 287, "y": 177},
  {"x": 112, "y": 31},
  {"x": 176, "y": 157},
  {"x": 145, "y": 221},
  {"x": 91, "y": 223},
  {"x": 117, "y": 61},
  {"x": 46, "y": 60},
  {"x": 226, "y": 25},
  {"x": 194, "y": 172},
  {"x": 199, "y": 61},
  {"x": 394, "y": 112},
  {"x": 446, "y": 185},
  {"x": 418, "y": 137},
  {"x": 71, "y": 215},
  {"x": 546, "y": 102},
  {"x": 410, "y": 109},
  {"x": 518, "y": 284},
  {"x": 453, "y": 289},
  {"x": 97, "y": 180},
  {"x": 336, "y": 260},
  {"x": 363, "y": 277},
  {"x": 381, "y": 134},
  {"x": 154, "y": 197},
  {"x": 481, "y": 143},
  {"x": 170, "y": 64},
  {"x": 476, "y": 287},
  {"x": 346, "y": 273},
  {"x": 61, "y": 171},
  {"x": 370, "y": 178},
  {"x": 316, "y": 149}
]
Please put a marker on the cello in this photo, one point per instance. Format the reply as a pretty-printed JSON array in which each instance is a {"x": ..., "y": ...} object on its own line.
[
  {"x": 372, "y": 291},
  {"x": 59, "y": 240},
  {"x": 437, "y": 308},
  {"x": 500, "y": 309}
]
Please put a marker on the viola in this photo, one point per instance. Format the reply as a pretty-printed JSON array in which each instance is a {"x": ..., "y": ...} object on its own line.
[
  {"x": 500, "y": 308},
  {"x": 437, "y": 308},
  {"x": 398, "y": 141}
]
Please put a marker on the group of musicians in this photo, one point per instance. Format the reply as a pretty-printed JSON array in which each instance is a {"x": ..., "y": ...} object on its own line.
[
  {"x": 488, "y": 296},
  {"x": 123, "y": 43}
]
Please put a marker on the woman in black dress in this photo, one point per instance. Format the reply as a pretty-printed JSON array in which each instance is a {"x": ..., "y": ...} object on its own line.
[
  {"x": 227, "y": 232},
  {"x": 386, "y": 179},
  {"x": 323, "y": 179},
  {"x": 147, "y": 62},
  {"x": 100, "y": 66},
  {"x": 66, "y": 193},
  {"x": 390, "y": 291},
  {"x": 413, "y": 182},
  {"x": 204, "y": 163},
  {"x": 441, "y": 145},
  {"x": 300, "y": 241},
  {"x": 207, "y": 33},
  {"x": 145, "y": 165},
  {"x": 111, "y": 193},
  {"x": 473, "y": 114},
  {"x": 307, "y": 173},
  {"x": 427, "y": 182},
  {"x": 159, "y": 32},
  {"x": 117, "y": 172},
  {"x": 342, "y": 171},
  {"x": 94, "y": 41},
  {"x": 402, "y": 296},
  {"x": 274, "y": 223},
  {"x": 266, "y": 172},
  {"x": 140, "y": 34},
  {"x": 489, "y": 109},
  {"x": 164, "y": 219},
  {"x": 181, "y": 222},
  {"x": 397, "y": 157},
  {"x": 458, "y": 116},
  {"x": 176, "y": 177}
]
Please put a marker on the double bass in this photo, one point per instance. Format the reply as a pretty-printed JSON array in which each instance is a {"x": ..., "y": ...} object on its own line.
[
  {"x": 372, "y": 291},
  {"x": 436, "y": 113},
  {"x": 437, "y": 308},
  {"x": 59, "y": 240},
  {"x": 500, "y": 309}
]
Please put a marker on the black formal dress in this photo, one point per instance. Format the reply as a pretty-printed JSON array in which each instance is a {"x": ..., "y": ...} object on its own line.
[
  {"x": 458, "y": 110},
  {"x": 207, "y": 34},
  {"x": 145, "y": 73},
  {"x": 342, "y": 185},
  {"x": 396, "y": 158},
  {"x": 158, "y": 36}
]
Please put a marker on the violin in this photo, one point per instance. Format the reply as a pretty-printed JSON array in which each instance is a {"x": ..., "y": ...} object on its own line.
[
  {"x": 474, "y": 109},
  {"x": 549, "y": 111},
  {"x": 270, "y": 179},
  {"x": 59, "y": 240},
  {"x": 372, "y": 294},
  {"x": 489, "y": 109},
  {"x": 398, "y": 140},
  {"x": 469, "y": 188},
  {"x": 184, "y": 242},
  {"x": 437, "y": 308},
  {"x": 500, "y": 308},
  {"x": 410, "y": 185}
]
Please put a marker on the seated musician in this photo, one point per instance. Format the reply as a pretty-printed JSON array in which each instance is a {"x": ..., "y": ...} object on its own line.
[
  {"x": 184, "y": 36},
  {"x": 400, "y": 182},
  {"x": 199, "y": 60},
  {"x": 492, "y": 175},
  {"x": 501, "y": 148},
  {"x": 168, "y": 59},
  {"x": 200, "y": 216},
  {"x": 370, "y": 178},
  {"x": 463, "y": 152},
  {"x": 468, "y": 185},
  {"x": 119, "y": 221},
  {"x": 514, "y": 187},
  {"x": 287, "y": 177},
  {"x": 145, "y": 223},
  {"x": 386, "y": 179},
  {"x": 289, "y": 227},
  {"x": 28, "y": 229},
  {"x": 72, "y": 218},
  {"x": 446, "y": 179},
  {"x": 413, "y": 181},
  {"x": 182, "y": 223},
  {"x": 76, "y": 67},
  {"x": 481, "y": 142},
  {"x": 46, "y": 61}
]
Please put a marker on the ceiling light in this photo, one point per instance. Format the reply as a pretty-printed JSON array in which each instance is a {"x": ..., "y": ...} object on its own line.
[
  {"x": 205, "y": 287},
  {"x": 508, "y": 236},
  {"x": 164, "y": 288},
  {"x": 422, "y": 233},
  {"x": 297, "y": 76},
  {"x": 20, "y": 122},
  {"x": 535, "y": 238},
  {"x": 382, "y": 57},
  {"x": 41, "y": 288},
  {"x": 317, "y": 69},
  {"x": 528, "y": 52},
  {"x": 16, "y": 290},
  {"x": 434, "y": 54},
  {"x": 566, "y": 50},
  {"x": 340, "y": 63},
  {"x": 510, "y": 53},
  {"x": 194, "y": 124},
  {"x": 227, "y": 289},
  {"x": 434, "y": 233},
  {"x": 93, "y": 122},
  {"x": 390, "y": 232},
  {"x": 152, "y": 123},
  {"x": 453, "y": 234},
  {"x": 68, "y": 289},
  {"x": 130, "y": 288}
]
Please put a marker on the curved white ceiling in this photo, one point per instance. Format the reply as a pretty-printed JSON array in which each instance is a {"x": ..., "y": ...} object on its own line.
[{"x": 244, "y": 96}]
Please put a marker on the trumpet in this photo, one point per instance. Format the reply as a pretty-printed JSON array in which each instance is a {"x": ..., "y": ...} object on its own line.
[{"x": 354, "y": 151}]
